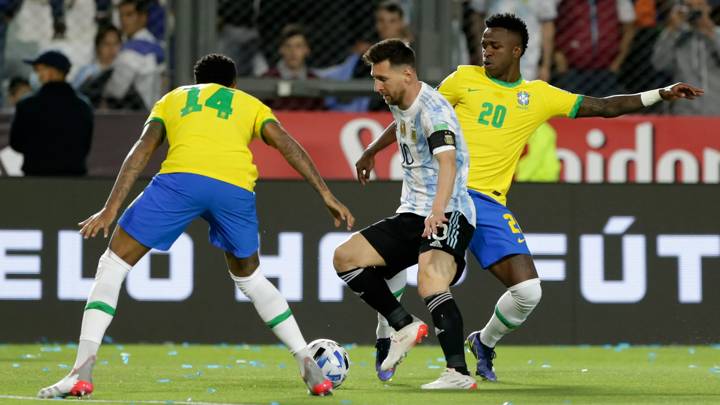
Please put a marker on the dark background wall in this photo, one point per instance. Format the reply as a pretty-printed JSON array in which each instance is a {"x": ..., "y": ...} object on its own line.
[{"x": 579, "y": 304}]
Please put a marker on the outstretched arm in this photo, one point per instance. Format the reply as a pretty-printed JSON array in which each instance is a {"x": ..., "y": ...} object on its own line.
[
  {"x": 298, "y": 158},
  {"x": 136, "y": 160},
  {"x": 614, "y": 106},
  {"x": 365, "y": 164}
]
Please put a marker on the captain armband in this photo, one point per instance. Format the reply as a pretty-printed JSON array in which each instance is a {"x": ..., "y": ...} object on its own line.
[{"x": 440, "y": 141}]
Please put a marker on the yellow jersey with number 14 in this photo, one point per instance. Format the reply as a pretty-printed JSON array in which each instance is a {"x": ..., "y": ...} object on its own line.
[
  {"x": 497, "y": 119},
  {"x": 209, "y": 128}
]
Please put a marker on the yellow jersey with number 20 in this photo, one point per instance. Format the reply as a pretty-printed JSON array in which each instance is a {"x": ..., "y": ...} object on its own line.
[
  {"x": 497, "y": 119},
  {"x": 209, "y": 128}
]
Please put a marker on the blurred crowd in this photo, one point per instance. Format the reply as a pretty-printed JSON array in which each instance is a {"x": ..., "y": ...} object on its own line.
[{"x": 118, "y": 49}]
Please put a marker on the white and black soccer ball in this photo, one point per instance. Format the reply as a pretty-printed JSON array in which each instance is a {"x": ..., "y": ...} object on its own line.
[{"x": 332, "y": 359}]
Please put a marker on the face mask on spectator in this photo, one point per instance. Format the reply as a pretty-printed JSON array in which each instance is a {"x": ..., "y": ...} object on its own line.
[{"x": 34, "y": 81}]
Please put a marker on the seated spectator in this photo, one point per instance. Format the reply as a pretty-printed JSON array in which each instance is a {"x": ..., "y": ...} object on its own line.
[
  {"x": 53, "y": 127},
  {"x": 239, "y": 37},
  {"x": 135, "y": 82},
  {"x": 91, "y": 79},
  {"x": 294, "y": 50},
  {"x": 389, "y": 23},
  {"x": 17, "y": 89},
  {"x": 689, "y": 49},
  {"x": 592, "y": 41}
]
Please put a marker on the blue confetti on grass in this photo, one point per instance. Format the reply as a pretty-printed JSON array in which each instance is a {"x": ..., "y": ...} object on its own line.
[
  {"x": 63, "y": 365},
  {"x": 282, "y": 365},
  {"x": 185, "y": 344},
  {"x": 363, "y": 363},
  {"x": 691, "y": 350},
  {"x": 53, "y": 349},
  {"x": 104, "y": 362},
  {"x": 433, "y": 366},
  {"x": 119, "y": 347},
  {"x": 163, "y": 380},
  {"x": 652, "y": 356},
  {"x": 440, "y": 359},
  {"x": 186, "y": 366},
  {"x": 125, "y": 357},
  {"x": 45, "y": 369},
  {"x": 172, "y": 353},
  {"x": 692, "y": 366},
  {"x": 15, "y": 365},
  {"x": 622, "y": 346},
  {"x": 546, "y": 365},
  {"x": 108, "y": 339},
  {"x": 346, "y": 402},
  {"x": 71, "y": 345},
  {"x": 213, "y": 366},
  {"x": 29, "y": 356},
  {"x": 715, "y": 370},
  {"x": 350, "y": 346},
  {"x": 211, "y": 390}
]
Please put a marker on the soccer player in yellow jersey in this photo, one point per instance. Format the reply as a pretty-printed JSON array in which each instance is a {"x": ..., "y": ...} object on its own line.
[
  {"x": 208, "y": 173},
  {"x": 498, "y": 111}
]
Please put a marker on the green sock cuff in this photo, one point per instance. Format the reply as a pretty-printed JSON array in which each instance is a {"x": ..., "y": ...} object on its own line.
[
  {"x": 101, "y": 306},
  {"x": 504, "y": 320},
  {"x": 279, "y": 319}
]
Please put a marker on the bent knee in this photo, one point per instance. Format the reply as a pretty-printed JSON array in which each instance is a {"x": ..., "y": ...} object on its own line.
[
  {"x": 528, "y": 293},
  {"x": 344, "y": 258}
]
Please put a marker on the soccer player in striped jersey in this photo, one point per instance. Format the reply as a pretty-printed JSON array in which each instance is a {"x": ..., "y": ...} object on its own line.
[
  {"x": 209, "y": 173},
  {"x": 433, "y": 225},
  {"x": 498, "y": 111}
]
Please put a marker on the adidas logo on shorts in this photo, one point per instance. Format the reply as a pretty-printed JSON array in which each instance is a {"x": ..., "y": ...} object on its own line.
[{"x": 436, "y": 244}]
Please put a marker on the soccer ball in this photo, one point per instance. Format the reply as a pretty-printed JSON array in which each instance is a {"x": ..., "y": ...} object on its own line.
[{"x": 332, "y": 359}]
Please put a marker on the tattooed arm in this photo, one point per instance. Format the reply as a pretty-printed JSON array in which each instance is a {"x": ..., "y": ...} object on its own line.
[
  {"x": 136, "y": 160},
  {"x": 275, "y": 136},
  {"x": 614, "y": 106}
]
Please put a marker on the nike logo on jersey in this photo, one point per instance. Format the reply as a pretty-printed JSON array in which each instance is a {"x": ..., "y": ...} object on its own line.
[
  {"x": 471, "y": 90},
  {"x": 521, "y": 240}
]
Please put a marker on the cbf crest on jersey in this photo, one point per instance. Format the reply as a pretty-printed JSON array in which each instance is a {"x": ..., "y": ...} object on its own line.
[{"x": 523, "y": 99}]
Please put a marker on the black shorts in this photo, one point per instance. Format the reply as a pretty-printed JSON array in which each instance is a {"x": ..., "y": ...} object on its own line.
[{"x": 398, "y": 240}]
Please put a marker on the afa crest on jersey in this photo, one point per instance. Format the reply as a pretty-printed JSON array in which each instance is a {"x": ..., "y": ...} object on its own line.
[{"x": 523, "y": 99}]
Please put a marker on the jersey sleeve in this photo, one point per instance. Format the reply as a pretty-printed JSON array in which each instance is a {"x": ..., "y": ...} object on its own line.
[
  {"x": 560, "y": 103},
  {"x": 158, "y": 112},
  {"x": 440, "y": 128},
  {"x": 450, "y": 88},
  {"x": 263, "y": 117}
]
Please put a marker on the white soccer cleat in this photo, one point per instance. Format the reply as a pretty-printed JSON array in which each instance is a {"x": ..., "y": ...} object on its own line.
[
  {"x": 451, "y": 380},
  {"x": 70, "y": 385},
  {"x": 314, "y": 378},
  {"x": 402, "y": 341}
]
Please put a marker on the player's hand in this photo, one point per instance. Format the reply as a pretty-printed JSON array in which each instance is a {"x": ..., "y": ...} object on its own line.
[
  {"x": 101, "y": 220},
  {"x": 339, "y": 212},
  {"x": 364, "y": 167},
  {"x": 681, "y": 90},
  {"x": 433, "y": 221}
]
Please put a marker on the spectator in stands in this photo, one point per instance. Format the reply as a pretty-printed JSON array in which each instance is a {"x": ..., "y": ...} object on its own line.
[
  {"x": 135, "y": 82},
  {"x": 18, "y": 88},
  {"x": 689, "y": 48},
  {"x": 294, "y": 50},
  {"x": 53, "y": 127},
  {"x": 592, "y": 41},
  {"x": 389, "y": 23},
  {"x": 91, "y": 79},
  {"x": 539, "y": 16},
  {"x": 238, "y": 35},
  {"x": 8, "y": 8}
]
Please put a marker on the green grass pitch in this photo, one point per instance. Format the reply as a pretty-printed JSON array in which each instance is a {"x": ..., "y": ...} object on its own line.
[{"x": 249, "y": 374}]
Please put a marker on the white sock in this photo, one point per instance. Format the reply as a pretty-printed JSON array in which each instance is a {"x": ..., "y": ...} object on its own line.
[
  {"x": 397, "y": 286},
  {"x": 100, "y": 308},
  {"x": 511, "y": 310},
  {"x": 273, "y": 310}
]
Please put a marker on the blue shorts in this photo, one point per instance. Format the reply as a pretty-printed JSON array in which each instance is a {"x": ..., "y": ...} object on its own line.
[
  {"x": 171, "y": 201},
  {"x": 497, "y": 233}
]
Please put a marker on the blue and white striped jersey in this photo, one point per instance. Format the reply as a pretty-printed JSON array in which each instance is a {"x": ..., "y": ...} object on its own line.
[{"x": 430, "y": 113}]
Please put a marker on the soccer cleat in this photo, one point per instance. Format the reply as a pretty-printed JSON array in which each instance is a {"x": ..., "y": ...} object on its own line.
[
  {"x": 484, "y": 356},
  {"x": 382, "y": 346},
  {"x": 70, "y": 385},
  {"x": 315, "y": 379},
  {"x": 451, "y": 380},
  {"x": 402, "y": 341}
]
